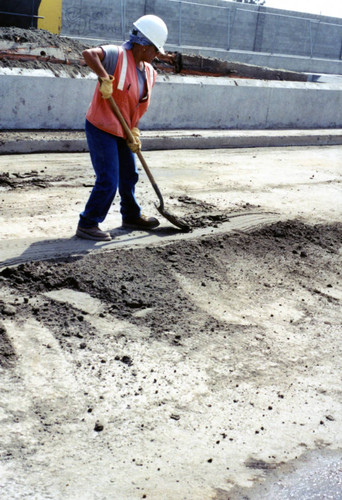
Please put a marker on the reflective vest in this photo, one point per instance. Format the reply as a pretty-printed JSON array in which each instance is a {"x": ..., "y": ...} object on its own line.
[{"x": 125, "y": 94}]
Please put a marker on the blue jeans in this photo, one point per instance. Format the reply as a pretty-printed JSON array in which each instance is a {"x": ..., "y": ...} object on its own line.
[{"x": 115, "y": 167}]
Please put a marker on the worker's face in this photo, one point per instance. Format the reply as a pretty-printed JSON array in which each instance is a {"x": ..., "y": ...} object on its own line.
[{"x": 150, "y": 53}]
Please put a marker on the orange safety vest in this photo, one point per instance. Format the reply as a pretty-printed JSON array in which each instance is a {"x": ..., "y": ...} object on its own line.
[{"x": 125, "y": 94}]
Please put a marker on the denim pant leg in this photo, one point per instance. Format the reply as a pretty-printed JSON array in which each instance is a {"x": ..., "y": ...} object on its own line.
[
  {"x": 103, "y": 148},
  {"x": 128, "y": 177}
]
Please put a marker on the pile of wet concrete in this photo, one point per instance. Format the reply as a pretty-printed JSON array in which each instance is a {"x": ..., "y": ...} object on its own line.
[{"x": 145, "y": 280}]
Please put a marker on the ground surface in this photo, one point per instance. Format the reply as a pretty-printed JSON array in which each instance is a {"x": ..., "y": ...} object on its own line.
[{"x": 172, "y": 365}]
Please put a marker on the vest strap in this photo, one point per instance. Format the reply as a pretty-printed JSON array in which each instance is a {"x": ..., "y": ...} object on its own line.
[
  {"x": 151, "y": 74},
  {"x": 123, "y": 71}
]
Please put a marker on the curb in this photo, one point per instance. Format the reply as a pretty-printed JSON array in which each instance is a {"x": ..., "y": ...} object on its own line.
[{"x": 22, "y": 142}]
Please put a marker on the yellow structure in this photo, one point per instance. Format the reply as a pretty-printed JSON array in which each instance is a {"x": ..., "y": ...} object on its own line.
[{"x": 51, "y": 10}]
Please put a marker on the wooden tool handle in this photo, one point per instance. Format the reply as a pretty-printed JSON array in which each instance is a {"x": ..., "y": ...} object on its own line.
[
  {"x": 130, "y": 138},
  {"x": 121, "y": 119}
]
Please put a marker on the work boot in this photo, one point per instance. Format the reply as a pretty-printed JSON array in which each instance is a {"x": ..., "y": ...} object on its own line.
[
  {"x": 92, "y": 233},
  {"x": 141, "y": 222}
]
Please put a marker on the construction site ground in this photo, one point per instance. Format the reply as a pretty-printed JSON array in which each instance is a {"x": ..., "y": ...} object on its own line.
[{"x": 169, "y": 365}]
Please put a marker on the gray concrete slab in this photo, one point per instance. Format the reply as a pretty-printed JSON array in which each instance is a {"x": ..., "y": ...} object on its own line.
[{"x": 289, "y": 182}]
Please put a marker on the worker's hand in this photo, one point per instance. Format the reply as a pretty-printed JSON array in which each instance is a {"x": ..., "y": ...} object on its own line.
[
  {"x": 135, "y": 146},
  {"x": 106, "y": 86}
]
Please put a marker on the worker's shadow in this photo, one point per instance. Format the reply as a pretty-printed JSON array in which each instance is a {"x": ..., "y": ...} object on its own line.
[{"x": 77, "y": 248}]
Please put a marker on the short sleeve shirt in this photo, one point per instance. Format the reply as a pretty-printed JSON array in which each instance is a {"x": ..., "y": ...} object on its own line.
[{"x": 109, "y": 62}]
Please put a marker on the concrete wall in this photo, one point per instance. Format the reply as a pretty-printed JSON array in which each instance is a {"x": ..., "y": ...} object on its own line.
[
  {"x": 212, "y": 25},
  {"x": 178, "y": 102}
]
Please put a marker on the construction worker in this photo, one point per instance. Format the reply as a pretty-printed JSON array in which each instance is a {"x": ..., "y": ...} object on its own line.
[{"x": 126, "y": 74}]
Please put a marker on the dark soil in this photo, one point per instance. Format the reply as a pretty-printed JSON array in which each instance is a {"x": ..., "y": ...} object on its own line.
[
  {"x": 131, "y": 280},
  {"x": 71, "y": 48},
  {"x": 42, "y": 38},
  {"x": 28, "y": 179},
  {"x": 7, "y": 354}
]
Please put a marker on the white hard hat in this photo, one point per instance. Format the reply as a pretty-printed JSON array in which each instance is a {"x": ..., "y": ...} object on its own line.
[{"x": 153, "y": 28}]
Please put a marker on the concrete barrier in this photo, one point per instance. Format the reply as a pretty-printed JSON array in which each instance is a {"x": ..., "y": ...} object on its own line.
[
  {"x": 36, "y": 99},
  {"x": 224, "y": 103},
  {"x": 61, "y": 141}
]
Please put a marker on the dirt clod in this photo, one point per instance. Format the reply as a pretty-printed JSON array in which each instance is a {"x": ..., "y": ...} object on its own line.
[{"x": 98, "y": 427}]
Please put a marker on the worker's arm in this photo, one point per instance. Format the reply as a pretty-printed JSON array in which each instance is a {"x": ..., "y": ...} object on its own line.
[{"x": 93, "y": 58}]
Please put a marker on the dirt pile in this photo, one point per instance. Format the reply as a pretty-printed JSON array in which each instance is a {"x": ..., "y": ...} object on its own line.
[
  {"x": 131, "y": 281},
  {"x": 40, "y": 49},
  {"x": 19, "y": 43},
  {"x": 43, "y": 38}
]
